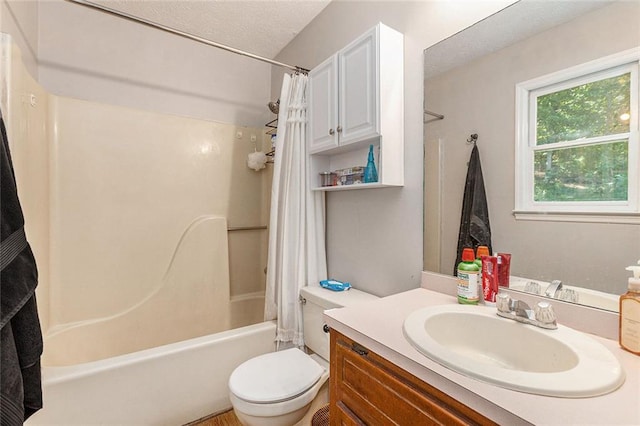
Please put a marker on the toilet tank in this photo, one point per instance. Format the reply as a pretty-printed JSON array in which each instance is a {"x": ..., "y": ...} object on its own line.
[{"x": 315, "y": 300}]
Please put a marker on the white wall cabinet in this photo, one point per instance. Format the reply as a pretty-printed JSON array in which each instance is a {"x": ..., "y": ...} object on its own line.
[{"x": 356, "y": 99}]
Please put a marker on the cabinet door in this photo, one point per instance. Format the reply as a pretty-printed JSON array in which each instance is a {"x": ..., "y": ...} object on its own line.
[
  {"x": 366, "y": 389},
  {"x": 323, "y": 106},
  {"x": 358, "y": 95}
]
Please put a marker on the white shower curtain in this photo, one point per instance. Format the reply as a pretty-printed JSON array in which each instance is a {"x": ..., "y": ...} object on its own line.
[{"x": 297, "y": 255}]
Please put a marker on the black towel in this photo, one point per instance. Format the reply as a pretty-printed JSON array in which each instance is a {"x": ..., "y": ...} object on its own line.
[
  {"x": 21, "y": 337},
  {"x": 475, "y": 229}
]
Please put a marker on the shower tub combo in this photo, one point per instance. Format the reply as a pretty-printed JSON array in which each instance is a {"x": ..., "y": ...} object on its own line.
[
  {"x": 126, "y": 214},
  {"x": 124, "y": 370}
]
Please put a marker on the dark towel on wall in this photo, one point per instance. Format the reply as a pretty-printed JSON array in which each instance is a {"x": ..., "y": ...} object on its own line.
[
  {"x": 21, "y": 337},
  {"x": 475, "y": 229}
]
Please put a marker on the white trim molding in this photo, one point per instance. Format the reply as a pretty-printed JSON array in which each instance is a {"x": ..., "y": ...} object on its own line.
[
  {"x": 612, "y": 218},
  {"x": 602, "y": 212}
]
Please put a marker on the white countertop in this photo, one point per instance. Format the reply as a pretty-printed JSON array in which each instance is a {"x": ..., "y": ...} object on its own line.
[{"x": 378, "y": 326}]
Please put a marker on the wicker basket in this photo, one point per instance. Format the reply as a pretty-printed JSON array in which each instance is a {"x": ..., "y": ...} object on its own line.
[{"x": 321, "y": 417}]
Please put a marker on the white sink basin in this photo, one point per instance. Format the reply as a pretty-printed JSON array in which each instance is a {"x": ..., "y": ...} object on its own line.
[{"x": 474, "y": 341}]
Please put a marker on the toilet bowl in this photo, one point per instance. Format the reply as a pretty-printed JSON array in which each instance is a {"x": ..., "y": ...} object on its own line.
[{"x": 277, "y": 389}]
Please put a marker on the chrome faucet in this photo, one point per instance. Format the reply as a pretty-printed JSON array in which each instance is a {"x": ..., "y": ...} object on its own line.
[
  {"x": 543, "y": 315},
  {"x": 553, "y": 289},
  {"x": 521, "y": 309},
  {"x": 556, "y": 291}
]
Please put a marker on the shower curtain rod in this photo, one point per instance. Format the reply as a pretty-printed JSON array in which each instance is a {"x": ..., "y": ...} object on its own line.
[
  {"x": 434, "y": 114},
  {"x": 185, "y": 35}
]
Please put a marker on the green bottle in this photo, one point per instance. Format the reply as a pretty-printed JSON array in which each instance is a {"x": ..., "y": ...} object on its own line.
[{"x": 468, "y": 273}]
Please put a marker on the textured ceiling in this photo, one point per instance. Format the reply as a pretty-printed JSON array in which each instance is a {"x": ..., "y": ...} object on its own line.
[{"x": 261, "y": 27}]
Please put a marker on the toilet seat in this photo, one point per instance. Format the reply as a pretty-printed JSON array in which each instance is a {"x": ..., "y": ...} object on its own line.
[{"x": 275, "y": 377}]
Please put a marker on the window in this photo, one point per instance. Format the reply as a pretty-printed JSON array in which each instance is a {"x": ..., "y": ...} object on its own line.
[{"x": 577, "y": 148}]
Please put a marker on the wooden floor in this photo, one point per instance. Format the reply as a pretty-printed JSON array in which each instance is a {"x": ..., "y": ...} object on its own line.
[
  {"x": 228, "y": 418},
  {"x": 225, "y": 419}
]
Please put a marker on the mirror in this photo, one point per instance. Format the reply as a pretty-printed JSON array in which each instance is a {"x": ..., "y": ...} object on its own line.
[{"x": 470, "y": 79}]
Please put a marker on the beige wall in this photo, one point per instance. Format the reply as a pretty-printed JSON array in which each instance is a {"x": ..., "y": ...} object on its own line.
[
  {"x": 78, "y": 52},
  {"x": 479, "y": 97},
  {"x": 91, "y": 55},
  {"x": 374, "y": 237},
  {"x": 20, "y": 19}
]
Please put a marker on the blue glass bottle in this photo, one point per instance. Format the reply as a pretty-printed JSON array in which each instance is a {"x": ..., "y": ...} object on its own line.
[{"x": 370, "y": 172}]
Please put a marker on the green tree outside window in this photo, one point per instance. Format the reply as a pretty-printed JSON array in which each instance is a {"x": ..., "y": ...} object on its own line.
[{"x": 594, "y": 171}]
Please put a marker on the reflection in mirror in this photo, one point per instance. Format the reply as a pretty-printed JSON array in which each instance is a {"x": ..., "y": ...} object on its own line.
[{"x": 471, "y": 80}]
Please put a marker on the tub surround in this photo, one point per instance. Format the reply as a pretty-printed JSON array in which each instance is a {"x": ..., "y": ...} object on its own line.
[
  {"x": 192, "y": 299},
  {"x": 160, "y": 218},
  {"x": 383, "y": 335}
]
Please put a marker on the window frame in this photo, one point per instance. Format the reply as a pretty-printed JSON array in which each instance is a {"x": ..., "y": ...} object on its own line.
[{"x": 525, "y": 147}]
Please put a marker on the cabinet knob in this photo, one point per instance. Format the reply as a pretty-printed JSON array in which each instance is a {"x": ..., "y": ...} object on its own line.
[
  {"x": 339, "y": 129},
  {"x": 331, "y": 132}
]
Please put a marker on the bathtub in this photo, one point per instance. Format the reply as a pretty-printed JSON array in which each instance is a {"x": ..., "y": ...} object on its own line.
[
  {"x": 167, "y": 385},
  {"x": 166, "y": 359},
  {"x": 143, "y": 367}
]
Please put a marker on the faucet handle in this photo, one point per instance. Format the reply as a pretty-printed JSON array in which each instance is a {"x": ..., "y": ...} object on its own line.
[
  {"x": 503, "y": 302},
  {"x": 569, "y": 295},
  {"x": 545, "y": 314},
  {"x": 532, "y": 287}
]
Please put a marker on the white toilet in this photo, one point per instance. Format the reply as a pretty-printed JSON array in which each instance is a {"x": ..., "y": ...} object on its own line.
[{"x": 276, "y": 389}]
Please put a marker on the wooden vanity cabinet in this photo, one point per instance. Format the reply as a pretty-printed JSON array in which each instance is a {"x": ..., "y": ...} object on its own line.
[{"x": 366, "y": 389}]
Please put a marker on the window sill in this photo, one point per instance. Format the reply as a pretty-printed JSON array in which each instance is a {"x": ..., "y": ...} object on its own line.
[{"x": 613, "y": 218}]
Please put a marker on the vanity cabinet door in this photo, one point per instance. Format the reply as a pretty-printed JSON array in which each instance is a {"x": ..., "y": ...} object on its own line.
[
  {"x": 345, "y": 416},
  {"x": 366, "y": 389}
]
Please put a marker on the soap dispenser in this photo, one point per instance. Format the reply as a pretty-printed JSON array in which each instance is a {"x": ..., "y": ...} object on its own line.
[
  {"x": 629, "y": 337},
  {"x": 370, "y": 172}
]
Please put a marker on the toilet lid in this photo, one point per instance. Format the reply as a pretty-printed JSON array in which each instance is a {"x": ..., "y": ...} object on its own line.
[{"x": 275, "y": 377}]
